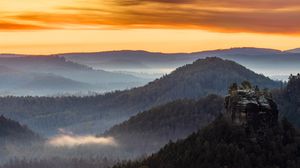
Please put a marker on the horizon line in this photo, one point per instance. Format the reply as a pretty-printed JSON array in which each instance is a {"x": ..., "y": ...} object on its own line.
[{"x": 159, "y": 52}]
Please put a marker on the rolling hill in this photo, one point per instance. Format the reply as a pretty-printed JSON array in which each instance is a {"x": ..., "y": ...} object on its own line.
[{"x": 94, "y": 114}]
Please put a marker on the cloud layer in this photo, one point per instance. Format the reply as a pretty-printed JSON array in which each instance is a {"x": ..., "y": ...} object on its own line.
[{"x": 263, "y": 16}]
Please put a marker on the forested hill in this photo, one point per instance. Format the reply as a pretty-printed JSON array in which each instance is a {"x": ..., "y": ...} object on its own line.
[
  {"x": 222, "y": 145},
  {"x": 96, "y": 113},
  {"x": 154, "y": 128},
  {"x": 203, "y": 77}
]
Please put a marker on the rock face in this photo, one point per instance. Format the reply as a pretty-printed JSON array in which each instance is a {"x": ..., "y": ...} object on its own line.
[{"x": 251, "y": 108}]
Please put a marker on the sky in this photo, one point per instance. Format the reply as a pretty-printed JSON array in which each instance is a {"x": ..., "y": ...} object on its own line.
[{"x": 59, "y": 26}]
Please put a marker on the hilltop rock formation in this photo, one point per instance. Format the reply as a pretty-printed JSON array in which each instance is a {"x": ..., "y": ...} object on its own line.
[{"x": 249, "y": 107}]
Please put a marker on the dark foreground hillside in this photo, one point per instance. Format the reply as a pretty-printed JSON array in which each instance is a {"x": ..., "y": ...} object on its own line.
[
  {"x": 84, "y": 114},
  {"x": 224, "y": 145}
]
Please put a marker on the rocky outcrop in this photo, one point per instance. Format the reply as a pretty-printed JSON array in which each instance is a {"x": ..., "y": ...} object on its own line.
[{"x": 251, "y": 108}]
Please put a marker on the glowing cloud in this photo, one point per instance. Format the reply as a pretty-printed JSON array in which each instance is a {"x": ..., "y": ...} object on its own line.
[{"x": 72, "y": 141}]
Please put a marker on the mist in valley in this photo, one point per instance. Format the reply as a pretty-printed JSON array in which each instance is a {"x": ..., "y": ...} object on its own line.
[
  {"x": 90, "y": 110},
  {"x": 55, "y": 76},
  {"x": 67, "y": 148}
]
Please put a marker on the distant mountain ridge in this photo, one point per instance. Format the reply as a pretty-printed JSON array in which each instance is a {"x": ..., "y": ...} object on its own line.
[
  {"x": 261, "y": 60},
  {"x": 145, "y": 57}
]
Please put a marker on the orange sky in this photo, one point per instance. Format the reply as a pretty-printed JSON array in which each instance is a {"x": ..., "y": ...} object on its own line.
[{"x": 45, "y": 27}]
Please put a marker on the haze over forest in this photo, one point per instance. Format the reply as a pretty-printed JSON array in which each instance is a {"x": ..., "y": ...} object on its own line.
[{"x": 76, "y": 120}]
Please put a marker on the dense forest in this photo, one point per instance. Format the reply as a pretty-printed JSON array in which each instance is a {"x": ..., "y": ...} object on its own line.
[
  {"x": 288, "y": 100},
  {"x": 222, "y": 144},
  {"x": 83, "y": 114},
  {"x": 154, "y": 128}
]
